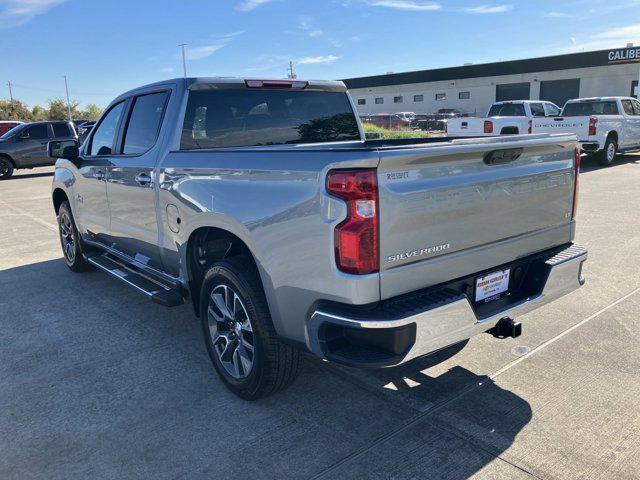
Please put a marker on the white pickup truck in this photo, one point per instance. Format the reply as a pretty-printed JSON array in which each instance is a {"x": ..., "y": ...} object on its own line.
[
  {"x": 504, "y": 118},
  {"x": 605, "y": 126}
]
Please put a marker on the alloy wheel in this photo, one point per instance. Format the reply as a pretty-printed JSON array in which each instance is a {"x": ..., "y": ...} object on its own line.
[
  {"x": 230, "y": 331},
  {"x": 67, "y": 238},
  {"x": 611, "y": 152}
]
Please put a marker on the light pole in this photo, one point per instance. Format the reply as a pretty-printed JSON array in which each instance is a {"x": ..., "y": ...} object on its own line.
[
  {"x": 184, "y": 61},
  {"x": 66, "y": 87}
]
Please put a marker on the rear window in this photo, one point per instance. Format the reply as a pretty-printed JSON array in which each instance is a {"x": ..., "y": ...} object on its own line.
[
  {"x": 61, "y": 130},
  {"x": 244, "y": 118},
  {"x": 507, "y": 110},
  {"x": 585, "y": 109}
]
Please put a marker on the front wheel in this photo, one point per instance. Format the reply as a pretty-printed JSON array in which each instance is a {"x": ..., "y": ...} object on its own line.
[
  {"x": 6, "y": 168},
  {"x": 608, "y": 154},
  {"x": 70, "y": 240},
  {"x": 239, "y": 334}
]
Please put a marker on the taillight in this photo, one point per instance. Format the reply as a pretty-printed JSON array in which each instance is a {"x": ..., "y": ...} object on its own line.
[
  {"x": 576, "y": 165},
  {"x": 356, "y": 238},
  {"x": 488, "y": 126},
  {"x": 593, "y": 126},
  {"x": 530, "y": 127},
  {"x": 258, "y": 83}
]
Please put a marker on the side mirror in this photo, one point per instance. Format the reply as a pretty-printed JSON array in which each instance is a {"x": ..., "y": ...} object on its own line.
[{"x": 63, "y": 149}]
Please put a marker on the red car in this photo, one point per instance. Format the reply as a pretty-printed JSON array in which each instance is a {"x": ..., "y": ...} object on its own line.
[{"x": 5, "y": 126}]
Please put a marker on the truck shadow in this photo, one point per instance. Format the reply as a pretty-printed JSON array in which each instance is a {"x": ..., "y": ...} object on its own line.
[
  {"x": 590, "y": 164},
  {"x": 121, "y": 385}
]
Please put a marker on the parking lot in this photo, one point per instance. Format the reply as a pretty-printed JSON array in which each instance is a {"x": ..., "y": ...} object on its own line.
[{"x": 97, "y": 382}]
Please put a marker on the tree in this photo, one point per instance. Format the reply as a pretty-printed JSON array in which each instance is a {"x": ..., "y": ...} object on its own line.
[
  {"x": 58, "y": 109},
  {"x": 14, "y": 110},
  {"x": 91, "y": 112},
  {"x": 39, "y": 113}
]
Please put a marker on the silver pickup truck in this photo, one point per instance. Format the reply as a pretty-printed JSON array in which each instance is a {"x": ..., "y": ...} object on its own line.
[{"x": 261, "y": 203}]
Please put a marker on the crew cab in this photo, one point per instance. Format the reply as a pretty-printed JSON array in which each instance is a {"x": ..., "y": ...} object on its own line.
[
  {"x": 605, "y": 126},
  {"x": 503, "y": 118},
  {"x": 261, "y": 203},
  {"x": 25, "y": 146}
]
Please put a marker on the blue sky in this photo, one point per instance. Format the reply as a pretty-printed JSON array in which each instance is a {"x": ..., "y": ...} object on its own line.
[{"x": 115, "y": 45}]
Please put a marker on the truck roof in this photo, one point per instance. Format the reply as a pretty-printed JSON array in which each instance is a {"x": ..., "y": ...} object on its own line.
[
  {"x": 190, "y": 82},
  {"x": 597, "y": 99}
]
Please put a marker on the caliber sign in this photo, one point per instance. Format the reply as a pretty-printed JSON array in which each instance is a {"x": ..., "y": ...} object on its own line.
[{"x": 624, "y": 55}]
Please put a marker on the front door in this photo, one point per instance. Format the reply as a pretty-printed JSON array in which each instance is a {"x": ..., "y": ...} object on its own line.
[
  {"x": 90, "y": 190},
  {"x": 32, "y": 146},
  {"x": 131, "y": 182}
]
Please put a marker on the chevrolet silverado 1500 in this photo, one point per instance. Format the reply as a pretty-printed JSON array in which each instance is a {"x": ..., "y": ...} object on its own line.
[
  {"x": 260, "y": 203},
  {"x": 605, "y": 126},
  {"x": 504, "y": 118}
]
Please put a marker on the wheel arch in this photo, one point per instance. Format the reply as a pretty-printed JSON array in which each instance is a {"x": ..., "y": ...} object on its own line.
[
  {"x": 207, "y": 245},
  {"x": 8, "y": 157},
  {"x": 613, "y": 134},
  {"x": 58, "y": 196}
]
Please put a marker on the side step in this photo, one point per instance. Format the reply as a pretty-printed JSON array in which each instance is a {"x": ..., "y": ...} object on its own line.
[{"x": 159, "y": 293}]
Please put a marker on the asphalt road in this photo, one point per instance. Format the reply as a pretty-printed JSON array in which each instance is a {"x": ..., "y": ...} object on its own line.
[{"x": 97, "y": 382}]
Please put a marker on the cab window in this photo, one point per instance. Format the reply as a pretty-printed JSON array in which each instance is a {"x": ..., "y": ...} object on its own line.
[
  {"x": 36, "y": 132},
  {"x": 552, "y": 110},
  {"x": 144, "y": 123},
  {"x": 104, "y": 136},
  {"x": 537, "y": 109}
]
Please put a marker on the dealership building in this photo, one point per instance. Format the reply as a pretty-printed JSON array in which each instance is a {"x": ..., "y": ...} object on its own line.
[{"x": 473, "y": 88}]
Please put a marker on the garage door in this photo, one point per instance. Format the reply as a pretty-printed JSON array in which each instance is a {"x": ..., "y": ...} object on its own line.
[
  {"x": 513, "y": 91},
  {"x": 559, "y": 91}
]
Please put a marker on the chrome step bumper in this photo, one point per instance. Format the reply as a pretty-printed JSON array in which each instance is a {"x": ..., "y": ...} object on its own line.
[{"x": 453, "y": 319}]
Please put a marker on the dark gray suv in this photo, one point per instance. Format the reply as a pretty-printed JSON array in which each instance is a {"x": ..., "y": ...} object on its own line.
[{"x": 25, "y": 146}]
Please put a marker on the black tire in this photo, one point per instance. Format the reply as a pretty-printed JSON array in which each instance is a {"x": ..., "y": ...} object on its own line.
[
  {"x": 274, "y": 365},
  {"x": 6, "y": 168},
  {"x": 608, "y": 155},
  {"x": 70, "y": 240}
]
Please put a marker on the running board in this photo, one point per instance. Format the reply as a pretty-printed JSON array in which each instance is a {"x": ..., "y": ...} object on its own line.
[{"x": 159, "y": 293}]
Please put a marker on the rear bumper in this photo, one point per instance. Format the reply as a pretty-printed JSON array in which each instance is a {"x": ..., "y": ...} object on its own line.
[
  {"x": 407, "y": 328},
  {"x": 589, "y": 147}
]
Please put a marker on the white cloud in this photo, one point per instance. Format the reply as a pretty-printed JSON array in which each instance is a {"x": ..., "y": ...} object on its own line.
[
  {"x": 248, "y": 5},
  {"x": 305, "y": 23},
  {"x": 614, "y": 37},
  {"x": 318, "y": 59},
  {"x": 167, "y": 69},
  {"x": 18, "y": 12},
  {"x": 558, "y": 15},
  {"x": 485, "y": 9},
  {"x": 203, "y": 51},
  {"x": 405, "y": 5}
]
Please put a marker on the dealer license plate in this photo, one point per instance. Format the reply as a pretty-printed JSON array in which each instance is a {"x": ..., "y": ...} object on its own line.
[{"x": 491, "y": 286}]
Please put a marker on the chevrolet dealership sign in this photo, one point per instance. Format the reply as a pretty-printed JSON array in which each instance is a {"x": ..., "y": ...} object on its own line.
[{"x": 624, "y": 55}]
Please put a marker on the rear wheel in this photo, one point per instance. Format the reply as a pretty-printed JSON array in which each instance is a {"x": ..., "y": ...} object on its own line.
[
  {"x": 608, "y": 154},
  {"x": 239, "y": 334},
  {"x": 70, "y": 240},
  {"x": 6, "y": 168}
]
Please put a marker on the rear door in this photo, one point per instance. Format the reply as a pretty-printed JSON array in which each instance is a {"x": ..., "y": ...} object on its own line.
[
  {"x": 31, "y": 146},
  {"x": 635, "y": 135},
  {"x": 131, "y": 182},
  {"x": 445, "y": 208}
]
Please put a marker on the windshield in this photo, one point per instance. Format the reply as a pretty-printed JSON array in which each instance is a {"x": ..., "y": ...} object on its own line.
[
  {"x": 507, "y": 110},
  {"x": 586, "y": 109},
  {"x": 13, "y": 131}
]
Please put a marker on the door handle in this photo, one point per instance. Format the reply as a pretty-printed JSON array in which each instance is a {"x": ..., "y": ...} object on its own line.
[
  {"x": 143, "y": 179},
  {"x": 98, "y": 175}
]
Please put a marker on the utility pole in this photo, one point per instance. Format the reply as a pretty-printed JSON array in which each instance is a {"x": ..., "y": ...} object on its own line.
[
  {"x": 184, "y": 60},
  {"x": 291, "y": 74},
  {"x": 10, "y": 92},
  {"x": 66, "y": 87}
]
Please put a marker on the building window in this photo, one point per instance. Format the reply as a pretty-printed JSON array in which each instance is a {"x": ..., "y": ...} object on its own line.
[
  {"x": 362, "y": 101},
  {"x": 441, "y": 96},
  {"x": 418, "y": 98},
  {"x": 397, "y": 99},
  {"x": 379, "y": 101},
  {"x": 464, "y": 95}
]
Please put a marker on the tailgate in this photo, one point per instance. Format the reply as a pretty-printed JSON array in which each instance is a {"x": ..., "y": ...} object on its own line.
[
  {"x": 465, "y": 127},
  {"x": 454, "y": 209},
  {"x": 579, "y": 126}
]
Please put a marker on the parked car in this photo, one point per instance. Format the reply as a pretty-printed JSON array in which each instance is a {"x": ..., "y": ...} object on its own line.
[
  {"x": 389, "y": 121},
  {"x": 25, "y": 146},
  {"x": 503, "y": 118},
  {"x": 261, "y": 204},
  {"x": 605, "y": 126},
  {"x": 7, "y": 125}
]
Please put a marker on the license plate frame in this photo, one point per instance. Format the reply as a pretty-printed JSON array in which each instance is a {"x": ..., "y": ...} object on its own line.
[{"x": 492, "y": 286}]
